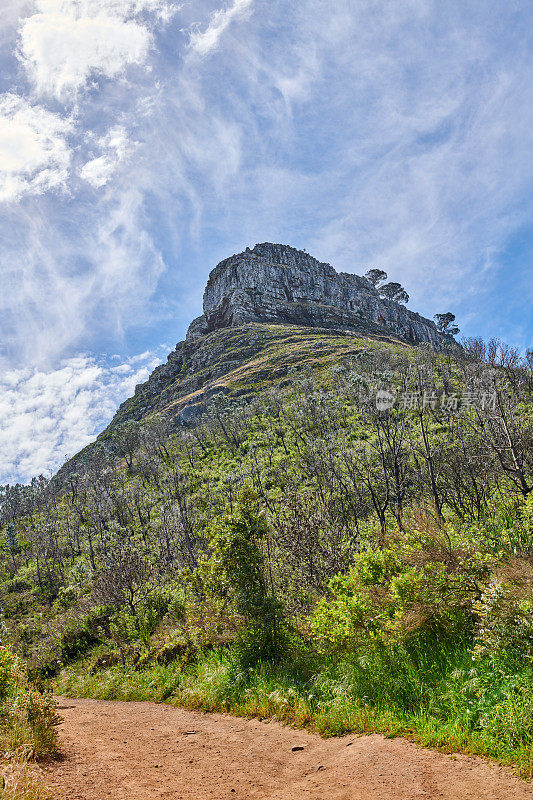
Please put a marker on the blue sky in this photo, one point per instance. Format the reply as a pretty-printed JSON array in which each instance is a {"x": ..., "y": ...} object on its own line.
[{"x": 141, "y": 141}]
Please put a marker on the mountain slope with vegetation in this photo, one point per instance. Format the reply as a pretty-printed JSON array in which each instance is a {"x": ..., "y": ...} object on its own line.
[
  {"x": 236, "y": 362},
  {"x": 268, "y": 311},
  {"x": 340, "y": 536}
]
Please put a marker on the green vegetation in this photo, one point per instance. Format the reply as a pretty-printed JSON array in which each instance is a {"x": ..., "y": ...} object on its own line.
[
  {"x": 28, "y": 730},
  {"x": 235, "y": 573},
  {"x": 436, "y": 695},
  {"x": 351, "y": 550}
]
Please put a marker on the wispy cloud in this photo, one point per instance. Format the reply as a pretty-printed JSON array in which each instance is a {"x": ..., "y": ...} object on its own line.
[
  {"x": 65, "y": 270},
  {"x": 64, "y": 47},
  {"x": 115, "y": 147},
  {"x": 97, "y": 272},
  {"x": 47, "y": 416},
  {"x": 204, "y": 41}
]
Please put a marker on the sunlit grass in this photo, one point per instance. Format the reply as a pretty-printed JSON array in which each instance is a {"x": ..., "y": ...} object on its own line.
[
  {"x": 20, "y": 781},
  {"x": 445, "y": 704}
]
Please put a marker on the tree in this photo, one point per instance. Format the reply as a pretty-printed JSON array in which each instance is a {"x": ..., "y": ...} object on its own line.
[
  {"x": 126, "y": 440},
  {"x": 127, "y": 580},
  {"x": 376, "y": 277},
  {"x": 394, "y": 291},
  {"x": 475, "y": 348},
  {"x": 237, "y": 572},
  {"x": 505, "y": 430},
  {"x": 445, "y": 323},
  {"x": 11, "y": 542}
]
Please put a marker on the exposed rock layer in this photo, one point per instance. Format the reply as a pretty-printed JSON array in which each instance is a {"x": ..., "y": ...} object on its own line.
[
  {"x": 267, "y": 311},
  {"x": 275, "y": 283}
]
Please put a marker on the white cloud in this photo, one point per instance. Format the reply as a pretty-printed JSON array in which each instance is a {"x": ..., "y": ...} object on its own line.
[
  {"x": 94, "y": 269},
  {"x": 98, "y": 171},
  {"x": 202, "y": 42},
  {"x": 46, "y": 416},
  {"x": 68, "y": 41},
  {"x": 34, "y": 154},
  {"x": 63, "y": 45},
  {"x": 116, "y": 147},
  {"x": 384, "y": 134}
]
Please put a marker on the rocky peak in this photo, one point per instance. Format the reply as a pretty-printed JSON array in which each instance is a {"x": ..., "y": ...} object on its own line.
[
  {"x": 227, "y": 352},
  {"x": 277, "y": 284}
]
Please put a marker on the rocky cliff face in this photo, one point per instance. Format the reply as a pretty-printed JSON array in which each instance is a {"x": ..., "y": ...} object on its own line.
[
  {"x": 278, "y": 284},
  {"x": 267, "y": 312}
]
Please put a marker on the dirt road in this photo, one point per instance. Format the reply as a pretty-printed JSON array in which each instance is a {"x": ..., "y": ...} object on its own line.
[{"x": 143, "y": 751}]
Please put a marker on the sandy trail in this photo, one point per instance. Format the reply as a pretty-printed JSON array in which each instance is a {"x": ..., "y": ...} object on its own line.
[{"x": 144, "y": 751}]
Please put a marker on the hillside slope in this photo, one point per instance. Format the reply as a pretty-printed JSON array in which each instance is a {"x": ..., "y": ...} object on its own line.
[
  {"x": 236, "y": 361},
  {"x": 267, "y": 311},
  {"x": 349, "y": 550}
]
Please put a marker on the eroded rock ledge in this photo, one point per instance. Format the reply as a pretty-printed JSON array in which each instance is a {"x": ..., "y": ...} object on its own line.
[{"x": 275, "y": 283}]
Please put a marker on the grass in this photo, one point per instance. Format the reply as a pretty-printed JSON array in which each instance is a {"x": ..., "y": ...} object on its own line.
[
  {"x": 438, "y": 698},
  {"x": 20, "y": 781}
]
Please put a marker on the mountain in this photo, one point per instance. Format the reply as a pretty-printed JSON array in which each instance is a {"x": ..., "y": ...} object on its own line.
[
  {"x": 266, "y": 311},
  {"x": 350, "y": 548},
  {"x": 277, "y": 284}
]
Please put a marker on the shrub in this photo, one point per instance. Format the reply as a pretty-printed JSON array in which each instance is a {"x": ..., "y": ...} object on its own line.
[
  {"x": 361, "y": 608},
  {"x": 507, "y": 528},
  {"x": 236, "y": 573},
  {"x": 506, "y": 612},
  {"x": 29, "y": 720},
  {"x": 397, "y": 594}
]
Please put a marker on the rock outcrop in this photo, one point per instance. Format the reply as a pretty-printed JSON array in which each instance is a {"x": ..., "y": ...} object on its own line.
[
  {"x": 275, "y": 283},
  {"x": 268, "y": 312}
]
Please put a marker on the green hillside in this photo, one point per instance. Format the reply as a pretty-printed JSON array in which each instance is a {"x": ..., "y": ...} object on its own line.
[
  {"x": 340, "y": 537},
  {"x": 237, "y": 362}
]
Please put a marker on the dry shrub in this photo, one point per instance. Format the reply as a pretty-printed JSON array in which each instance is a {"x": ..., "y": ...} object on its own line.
[{"x": 429, "y": 539}]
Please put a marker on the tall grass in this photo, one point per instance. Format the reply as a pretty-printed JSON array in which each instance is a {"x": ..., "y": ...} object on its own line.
[
  {"x": 20, "y": 781},
  {"x": 435, "y": 695}
]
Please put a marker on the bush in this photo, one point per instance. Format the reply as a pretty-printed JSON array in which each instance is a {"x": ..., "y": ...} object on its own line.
[
  {"x": 506, "y": 612},
  {"x": 397, "y": 594},
  {"x": 506, "y": 529},
  {"x": 29, "y": 720},
  {"x": 236, "y": 573},
  {"x": 360, "y": 609}
]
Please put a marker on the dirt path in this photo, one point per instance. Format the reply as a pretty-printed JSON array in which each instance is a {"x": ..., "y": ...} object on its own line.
[{"x": 144, "y": 751}]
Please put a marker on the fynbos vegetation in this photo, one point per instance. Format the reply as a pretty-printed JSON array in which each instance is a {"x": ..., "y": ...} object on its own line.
[
  {"x": 28, "y": 730},
  {"x": 352, "y": 550}
]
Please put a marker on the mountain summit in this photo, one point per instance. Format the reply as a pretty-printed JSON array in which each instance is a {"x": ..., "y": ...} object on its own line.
[
  {"x": 267, "y": 312},
  {"x": 277, "y": 284}
]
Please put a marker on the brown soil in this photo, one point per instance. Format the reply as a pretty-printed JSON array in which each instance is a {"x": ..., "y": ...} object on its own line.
[{"x": 144, "y": 751}]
